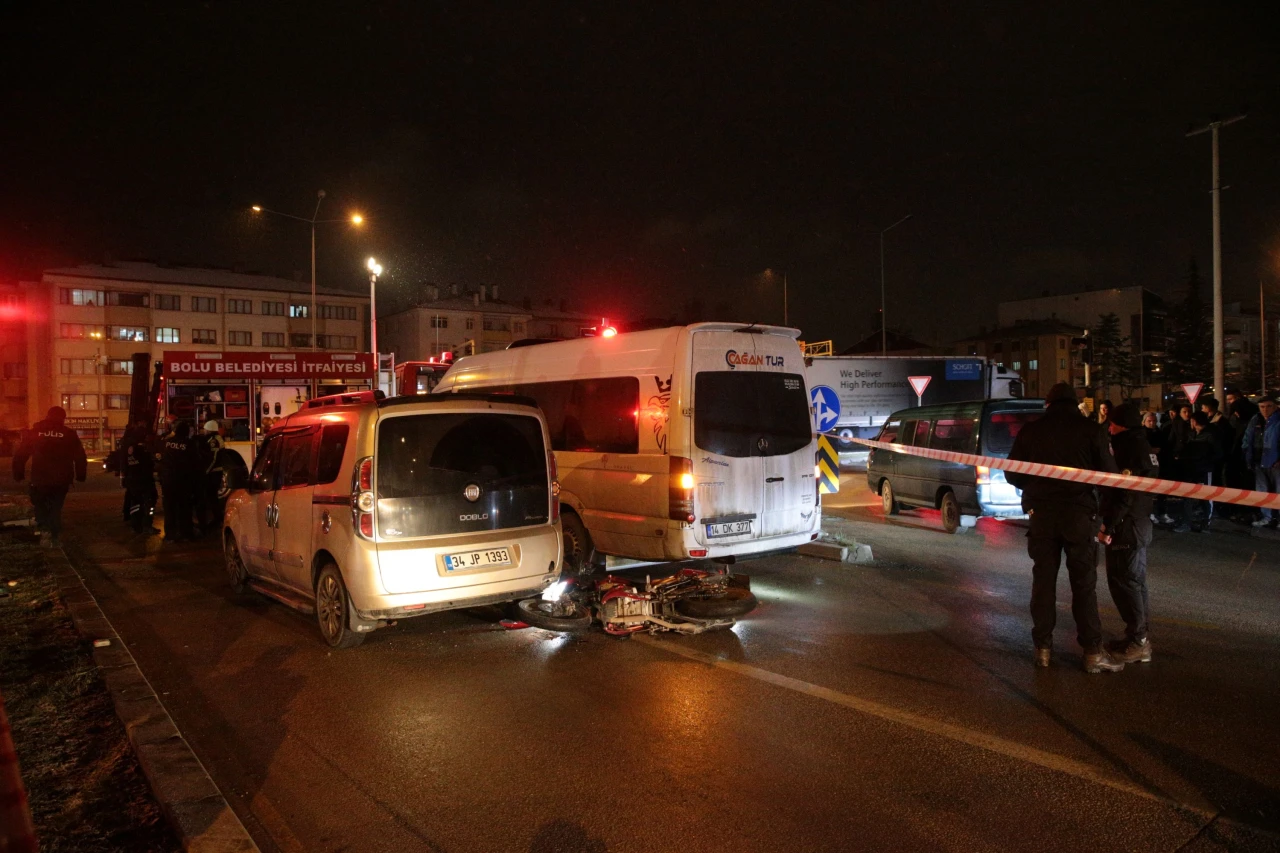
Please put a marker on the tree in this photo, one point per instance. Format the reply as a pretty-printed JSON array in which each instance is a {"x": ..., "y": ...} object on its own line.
[
  {"x": 1191, "y": 346},
  {"x": 1112, "y": 356}
]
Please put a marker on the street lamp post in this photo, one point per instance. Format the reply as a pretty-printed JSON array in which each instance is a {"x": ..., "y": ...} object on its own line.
[
  {"x": 1216, "y": 191},
  {"x": 375, "y": 270},
  {"x": 354, "y": 219},
  {"x": 884, "y": 333},
  {"x": 99, "y": 364}
]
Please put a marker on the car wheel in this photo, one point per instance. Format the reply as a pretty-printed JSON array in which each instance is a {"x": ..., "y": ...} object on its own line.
[
  {"x": 887, "y": 499},
  {"x": 735, "y": 602},
  {"x": 950, "y": 512},
  {"x": 562, "y": 616},
  {"x": 577, "y": 545},
  {"x": 333, "y": 608},
  {"x": 236, "y": 572}
]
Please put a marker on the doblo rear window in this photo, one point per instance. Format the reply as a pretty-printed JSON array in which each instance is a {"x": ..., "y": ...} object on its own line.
[{"x": 456, "y": 473}]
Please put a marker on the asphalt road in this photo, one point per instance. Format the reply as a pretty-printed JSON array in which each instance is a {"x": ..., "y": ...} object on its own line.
[{"x": 884, "y": 707}]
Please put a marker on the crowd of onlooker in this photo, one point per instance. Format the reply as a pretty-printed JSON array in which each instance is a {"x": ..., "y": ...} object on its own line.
[{"x": 1238, "y": 448}]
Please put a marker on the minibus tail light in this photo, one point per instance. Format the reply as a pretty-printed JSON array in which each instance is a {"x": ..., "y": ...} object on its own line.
[
  {"x": 984, "y": 475},
  {"x": 680, "y": 489}
]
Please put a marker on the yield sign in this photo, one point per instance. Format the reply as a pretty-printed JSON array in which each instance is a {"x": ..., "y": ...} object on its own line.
[
  {"x": 919, "y": 383},
  {"x": 1192, "y": 390}
]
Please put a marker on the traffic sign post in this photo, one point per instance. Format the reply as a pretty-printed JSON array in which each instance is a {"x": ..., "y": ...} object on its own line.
[
  {"x": 1192, "y": 390},
  {"x": 918, "y": 384},
  {"x": 826, "y": 407}
]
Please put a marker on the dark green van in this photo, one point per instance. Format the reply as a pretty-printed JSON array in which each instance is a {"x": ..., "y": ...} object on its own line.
[{"x": 982, "y": 427}]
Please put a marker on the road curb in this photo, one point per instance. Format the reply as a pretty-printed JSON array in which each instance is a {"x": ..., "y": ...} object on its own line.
[{"x": 191, "y": 801}]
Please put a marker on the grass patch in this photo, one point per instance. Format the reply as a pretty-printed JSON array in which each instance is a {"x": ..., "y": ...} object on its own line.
[{"x": 86, "y": 790}]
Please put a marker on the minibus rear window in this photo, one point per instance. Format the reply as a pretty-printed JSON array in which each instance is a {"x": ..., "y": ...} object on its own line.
[
  {"x": 742, "y": 413},
  {"x": 428, "y": 464},
  {"x": 1003, "y": 428}
]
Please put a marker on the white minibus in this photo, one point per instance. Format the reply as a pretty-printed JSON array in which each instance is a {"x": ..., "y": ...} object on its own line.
[{"x": 671, "y": 444}]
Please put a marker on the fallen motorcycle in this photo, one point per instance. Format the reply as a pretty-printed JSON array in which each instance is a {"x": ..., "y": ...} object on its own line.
[{"x": 688, "y": 602}]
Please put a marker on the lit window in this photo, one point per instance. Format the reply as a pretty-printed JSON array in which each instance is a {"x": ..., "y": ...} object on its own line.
[{"x": 168, "y": 335}]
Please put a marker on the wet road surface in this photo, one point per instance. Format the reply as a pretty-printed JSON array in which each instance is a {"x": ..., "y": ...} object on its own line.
[{"x": 884, "y": 707}]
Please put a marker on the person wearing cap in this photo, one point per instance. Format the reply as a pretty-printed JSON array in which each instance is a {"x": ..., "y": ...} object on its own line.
[
  {"x": 207, "y": 504},
  {"x": 57, "y": 457},
  {"x": 1126, "y": 533},
  {"x": 1064, "y": 520}
]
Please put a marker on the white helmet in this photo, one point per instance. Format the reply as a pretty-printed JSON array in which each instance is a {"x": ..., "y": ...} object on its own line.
[{"x": 211, "y": 426}]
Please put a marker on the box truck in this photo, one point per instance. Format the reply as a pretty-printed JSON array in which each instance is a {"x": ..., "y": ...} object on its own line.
[{"x": 853, "y": 396}]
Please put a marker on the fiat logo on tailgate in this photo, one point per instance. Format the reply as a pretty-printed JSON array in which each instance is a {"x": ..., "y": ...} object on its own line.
[{"x": 471, "y": 492}]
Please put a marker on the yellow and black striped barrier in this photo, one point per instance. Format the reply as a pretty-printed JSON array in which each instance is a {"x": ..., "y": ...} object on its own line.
[{"x": 828, "y": 467}]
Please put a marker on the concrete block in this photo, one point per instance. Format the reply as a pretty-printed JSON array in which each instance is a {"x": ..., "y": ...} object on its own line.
[
  {"x": 824, "y": 551},
  {"x": 859, "y": 554}
]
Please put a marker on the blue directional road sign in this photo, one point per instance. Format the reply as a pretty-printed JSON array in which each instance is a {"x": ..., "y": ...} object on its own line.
[{"x": 826, "y": 407}]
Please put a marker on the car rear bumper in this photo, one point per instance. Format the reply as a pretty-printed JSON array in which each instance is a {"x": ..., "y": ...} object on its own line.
[{"x": 420, "y": 603}]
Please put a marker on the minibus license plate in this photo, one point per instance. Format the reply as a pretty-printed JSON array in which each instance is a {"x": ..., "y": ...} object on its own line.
[
  {"x": 728, "y": 528},
  {"x": 477, "y": 559}
]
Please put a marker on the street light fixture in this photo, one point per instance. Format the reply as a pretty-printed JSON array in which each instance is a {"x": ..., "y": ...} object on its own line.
[
  {"x": 355, "y": 219},
  {"x": 884, "y": 334}
]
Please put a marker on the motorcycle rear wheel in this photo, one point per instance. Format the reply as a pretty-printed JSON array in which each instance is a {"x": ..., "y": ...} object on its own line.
[
  {"x": 735, "y": 602},
  {"x": 543, "y": 614}
]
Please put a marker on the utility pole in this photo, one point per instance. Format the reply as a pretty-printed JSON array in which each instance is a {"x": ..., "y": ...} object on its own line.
[
  {"x": 1262, "y": 336},
  {"x": 1216, "y": 191}
]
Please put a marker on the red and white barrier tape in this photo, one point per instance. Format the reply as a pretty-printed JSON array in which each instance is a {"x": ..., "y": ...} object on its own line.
[{"x": 1195, "y": 491}]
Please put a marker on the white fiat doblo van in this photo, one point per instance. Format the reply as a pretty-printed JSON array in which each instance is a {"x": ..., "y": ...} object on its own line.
[
  {"x": 687, "y": 442},
  {"x": 363, "y": 510}
]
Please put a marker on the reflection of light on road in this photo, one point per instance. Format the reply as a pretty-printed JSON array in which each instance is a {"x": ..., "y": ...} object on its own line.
[{"x": 786, "y": 607}]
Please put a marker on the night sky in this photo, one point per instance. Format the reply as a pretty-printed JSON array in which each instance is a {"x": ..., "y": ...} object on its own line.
[{"x": 632, "y": 161}]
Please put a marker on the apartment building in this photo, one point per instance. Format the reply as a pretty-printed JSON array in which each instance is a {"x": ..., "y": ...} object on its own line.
[
  {"x": 98, "y": 316},
  {"x": 471, "y": 322},
  {"x": 1142, "y": 316},
  {"x": 14, "y": 359},
  {"x": 1039, "y": 352}
]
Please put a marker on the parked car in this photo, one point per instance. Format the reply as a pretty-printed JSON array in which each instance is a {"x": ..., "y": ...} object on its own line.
[
  {"x": 363, "y": 510},
  {"x": 982, "y": 427}
]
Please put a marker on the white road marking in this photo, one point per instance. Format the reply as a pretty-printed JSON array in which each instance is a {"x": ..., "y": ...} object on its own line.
[{"x": 960, "y": 734}]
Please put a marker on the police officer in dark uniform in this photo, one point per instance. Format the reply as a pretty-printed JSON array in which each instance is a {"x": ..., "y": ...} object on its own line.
[
  {"x": 1064, "y": 519},
  {"x": 137, "y": 472},
  {"x": 57, "y": 456},
  {"x": 180, "y": 476},
  {"x": 1126, "y": 531}
]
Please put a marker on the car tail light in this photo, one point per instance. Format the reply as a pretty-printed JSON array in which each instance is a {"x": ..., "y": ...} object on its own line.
[
  {"x": 680, "y": 490},
  {"x": 554, "y": 471},
  {"x": 984, "y": 475},
  {"x": 362, "y": 499},
  {"x": 698, "y": 552}
]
